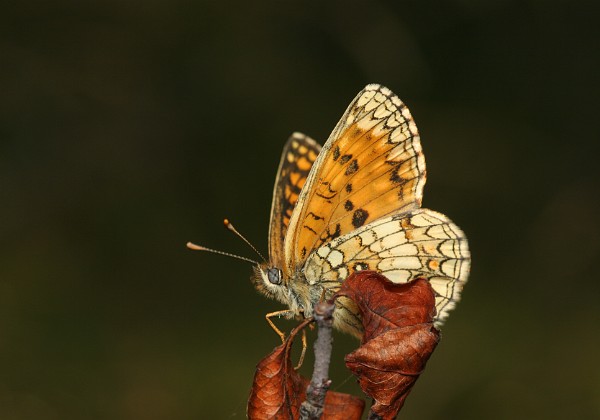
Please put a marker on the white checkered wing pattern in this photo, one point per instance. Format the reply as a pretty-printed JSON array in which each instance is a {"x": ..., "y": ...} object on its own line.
[{"x": 403, "y": 247}]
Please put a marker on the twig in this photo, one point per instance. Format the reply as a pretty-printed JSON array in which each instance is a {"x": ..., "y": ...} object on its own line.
[
  {"x": 374, "y": 416},
  {"x": 312, "y": 408}
]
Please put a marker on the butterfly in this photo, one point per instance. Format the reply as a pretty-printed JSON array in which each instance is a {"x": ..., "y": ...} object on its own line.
[{"x": 355, "y": 204}]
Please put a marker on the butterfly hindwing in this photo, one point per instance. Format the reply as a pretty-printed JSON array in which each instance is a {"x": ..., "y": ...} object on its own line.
[
  {"x": 423, "y": 243},
  {"x": 299, "y": 154},
  {"x": 372, "y": 166}
]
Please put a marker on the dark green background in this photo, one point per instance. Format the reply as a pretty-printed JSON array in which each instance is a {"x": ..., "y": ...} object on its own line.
[{"x": 129, "y": 128}]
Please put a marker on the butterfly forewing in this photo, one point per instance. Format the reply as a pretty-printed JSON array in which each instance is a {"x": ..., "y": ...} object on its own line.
[
  {"x": 299, "y": 154},
  {"x": 372, "y": 166},
  {"x": 423, "y": 243}
]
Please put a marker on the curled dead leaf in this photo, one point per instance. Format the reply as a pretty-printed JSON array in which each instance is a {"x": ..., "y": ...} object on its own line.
[
  {"x": 398, "y": 339},
  {"x": 278, "y": 390}
]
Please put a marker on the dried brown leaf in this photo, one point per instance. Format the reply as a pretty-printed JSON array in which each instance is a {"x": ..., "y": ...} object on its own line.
[
  {"x": 399, "y": 337},
  {"x": 278, "y": 390}
]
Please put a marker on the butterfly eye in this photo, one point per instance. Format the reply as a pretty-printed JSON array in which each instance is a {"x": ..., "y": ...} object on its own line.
[{"x": 274, "y": 275}]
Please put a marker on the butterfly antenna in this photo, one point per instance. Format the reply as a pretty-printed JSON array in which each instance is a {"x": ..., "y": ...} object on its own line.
[
  {"x": 229, "y": 226},
  {"x": 195, "y": 247}
]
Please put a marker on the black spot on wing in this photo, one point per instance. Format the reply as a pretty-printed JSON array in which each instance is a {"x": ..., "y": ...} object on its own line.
[
  {"x": 336, "y": 153},
  {"x": 352, "y": 168},
  {"x": 345, "y": 159},
  {"x": 401, "y": 194},
  {"x": 359, "y": 218},
  {"x": 348, "y": 205},
  {"x": 348, "y": 188},
  {"x": 396, "y": 179}
]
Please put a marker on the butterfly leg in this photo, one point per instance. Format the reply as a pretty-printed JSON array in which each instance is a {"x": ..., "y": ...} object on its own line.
[
  {"x": 304, "y": 345},
  {"x": 272, "y": 324},
  {"x": 282, "y": 335}
]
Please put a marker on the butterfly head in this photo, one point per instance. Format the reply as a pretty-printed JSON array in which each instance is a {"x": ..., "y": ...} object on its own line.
[
  {"x": 269, "y": 280},
  {"x": 274, "y": 283}
]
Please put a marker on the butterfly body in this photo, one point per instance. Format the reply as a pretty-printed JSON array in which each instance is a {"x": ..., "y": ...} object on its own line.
[{"x": 355, "y": 204}]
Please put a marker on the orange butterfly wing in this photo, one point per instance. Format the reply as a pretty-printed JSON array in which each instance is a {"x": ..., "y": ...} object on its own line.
[
  {"x": 298, "y": 156},
  {"x": 370, "y": 167}
]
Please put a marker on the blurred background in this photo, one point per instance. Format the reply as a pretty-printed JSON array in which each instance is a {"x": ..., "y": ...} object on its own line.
[{"x": 128, "y": 129}]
